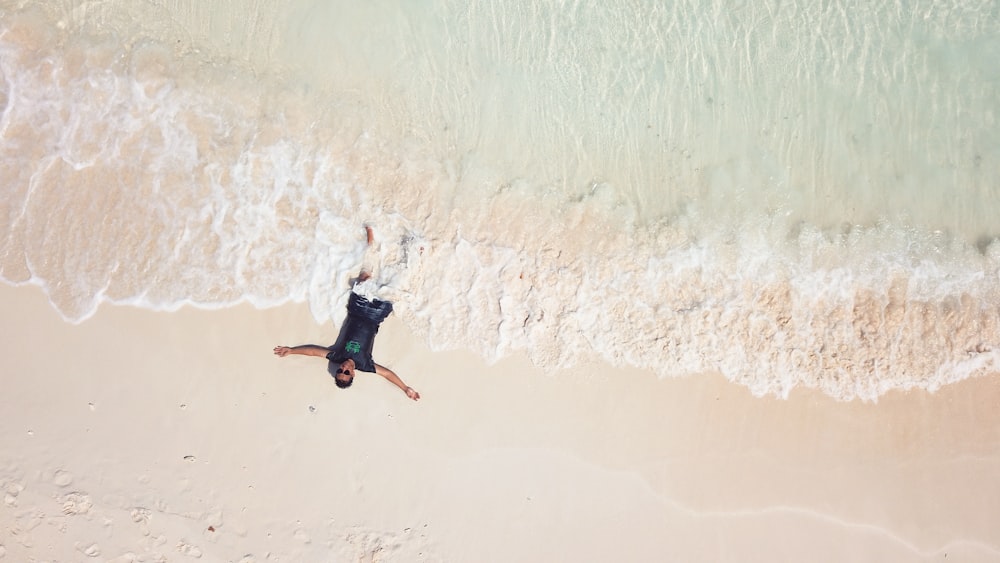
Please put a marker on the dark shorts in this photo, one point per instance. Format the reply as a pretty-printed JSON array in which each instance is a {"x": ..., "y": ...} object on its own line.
[{"x": 374, "y": 310}]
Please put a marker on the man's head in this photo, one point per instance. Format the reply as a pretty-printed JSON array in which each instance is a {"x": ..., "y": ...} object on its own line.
[{"x": 342, "y": 372}]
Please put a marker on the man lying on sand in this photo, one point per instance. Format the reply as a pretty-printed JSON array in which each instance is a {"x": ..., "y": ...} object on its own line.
[{"x": 353, "y": 349}]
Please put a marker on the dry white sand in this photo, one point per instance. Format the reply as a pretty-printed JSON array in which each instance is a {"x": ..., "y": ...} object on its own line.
[{"x": 141, "y": 436}]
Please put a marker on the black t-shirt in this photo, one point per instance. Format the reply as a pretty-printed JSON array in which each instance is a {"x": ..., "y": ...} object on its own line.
[{"x": 357, "y": 335}]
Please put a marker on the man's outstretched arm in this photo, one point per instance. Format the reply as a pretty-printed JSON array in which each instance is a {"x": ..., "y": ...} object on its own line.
[
  {"x": 391, "y": 376},
  {"x": 305, "y": 350}
]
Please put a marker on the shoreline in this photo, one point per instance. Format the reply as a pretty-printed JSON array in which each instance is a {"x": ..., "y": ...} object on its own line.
[{"x": 136, "y": 434}]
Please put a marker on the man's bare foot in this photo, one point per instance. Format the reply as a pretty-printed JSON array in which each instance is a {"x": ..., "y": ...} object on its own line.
[
  {"x": 371, "y": 237},
  {"x": 363, "y": 276}
]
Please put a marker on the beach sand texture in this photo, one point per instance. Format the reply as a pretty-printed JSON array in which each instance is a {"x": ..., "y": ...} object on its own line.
[
  {"x": 142, "y": 436},
  {"x": 703, "y": 281}
]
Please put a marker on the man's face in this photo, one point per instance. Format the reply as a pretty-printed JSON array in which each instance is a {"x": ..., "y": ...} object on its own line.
[{"x": 345, "y": 373}]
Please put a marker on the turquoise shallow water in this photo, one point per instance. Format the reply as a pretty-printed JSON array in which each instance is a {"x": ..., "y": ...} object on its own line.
[{"x": 787, "y": 193}]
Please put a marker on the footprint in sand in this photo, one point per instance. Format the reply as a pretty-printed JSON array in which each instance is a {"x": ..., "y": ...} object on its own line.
[
  {"x": 140, "y": 515},
  {"x": 90, "y": 550},
  {"x": 188, "y": 549},
  {"x": 369, "y": 546},
  {"x": 11, "y": 490},
  {"x": 62, "y": 478},
  {"x": 76, "y": 503}
]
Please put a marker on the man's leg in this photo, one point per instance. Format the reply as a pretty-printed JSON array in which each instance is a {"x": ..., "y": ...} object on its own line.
[{"x": 365, "y": 274}]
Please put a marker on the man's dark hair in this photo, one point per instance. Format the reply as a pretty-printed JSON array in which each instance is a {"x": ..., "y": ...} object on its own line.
[{"x": 343, "y": 384}]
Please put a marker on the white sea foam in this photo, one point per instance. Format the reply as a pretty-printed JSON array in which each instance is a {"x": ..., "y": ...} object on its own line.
[{"x": 138, "y": 172}]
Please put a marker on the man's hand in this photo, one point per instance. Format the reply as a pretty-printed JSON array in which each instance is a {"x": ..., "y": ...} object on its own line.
[
  {"x": 282, "y": 351},
  {"x": 392, "y": 377}
]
